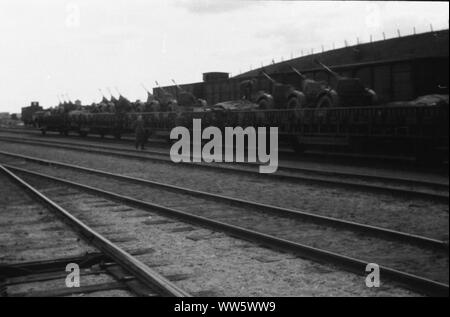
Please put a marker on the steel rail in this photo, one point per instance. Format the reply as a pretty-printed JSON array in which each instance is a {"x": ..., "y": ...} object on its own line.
[
  {"x": 333, "y": 173},
  {"x": 283, "y": 177},
  {"x": 143, "y": 273},
  {"x": 280, "y": 211},
  {"x": 410, "y": 281},
  {"x": 312, "y": 154}
]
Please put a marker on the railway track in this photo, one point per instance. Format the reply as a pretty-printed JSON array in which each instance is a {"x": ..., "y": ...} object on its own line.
[
  {"x": 361, "y": 181},
  {"x": 244, "y": 262},
  {"x": 121, "y": 268},
  {"x": 396, "y": 162},
  {"x": 276, "y": 231},
  {"x": 296, "y": 214}
]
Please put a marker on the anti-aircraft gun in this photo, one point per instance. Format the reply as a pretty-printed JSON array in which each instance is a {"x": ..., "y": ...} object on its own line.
[
  {"x": 188, "y": 100},
  {"x": 66, "y": 106},
  {"x": 166, "y": 100},
  {"x": 113, "y": 102},
  {"x": 152, "y": 104},
  {"x": 312, "y": 90},
  {"x": 104, "y": 99},
  {"x": 345, "y": 92},
  {"x": 285, "y": 96},
  {"x": 101, "y": 106},
  {"x": 249, "y": 98},
  {"x": 118, "y": 109}
]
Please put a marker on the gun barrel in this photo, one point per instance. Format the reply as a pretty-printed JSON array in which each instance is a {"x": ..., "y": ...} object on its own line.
[
  {"x": 178, "y": 86},
  {"x": 162, "y": 89},
  {"x": 328, "y": 69},
  {"x": 145, "y": 88},
  {"x": 101, "y": 92},
  {"x": 268, "y": 77},
  {"x": 298, "y": 72}
]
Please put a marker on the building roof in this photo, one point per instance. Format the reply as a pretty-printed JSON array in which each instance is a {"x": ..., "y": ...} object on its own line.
[{"x": 430, "y": 44}]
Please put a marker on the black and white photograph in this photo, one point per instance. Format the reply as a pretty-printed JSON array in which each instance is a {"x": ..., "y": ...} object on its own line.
[{"x": 224, "y": 156}]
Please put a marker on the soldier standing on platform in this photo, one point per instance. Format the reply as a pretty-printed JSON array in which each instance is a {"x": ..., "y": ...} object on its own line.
[{"x": 140, "y": 132}]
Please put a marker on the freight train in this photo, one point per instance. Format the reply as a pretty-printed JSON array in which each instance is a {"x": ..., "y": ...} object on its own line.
[
  {"x": 414, "y": 128},
  {"x": 395, "y": 105}
]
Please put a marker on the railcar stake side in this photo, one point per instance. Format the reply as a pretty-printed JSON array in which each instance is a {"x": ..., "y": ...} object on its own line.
[{"x": 416, "y": 130}]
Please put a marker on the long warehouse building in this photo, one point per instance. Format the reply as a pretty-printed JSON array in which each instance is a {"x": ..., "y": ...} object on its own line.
[{"x": 397, "y": 69}]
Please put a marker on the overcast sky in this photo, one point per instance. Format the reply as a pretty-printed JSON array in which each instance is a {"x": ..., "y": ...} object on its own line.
[{"x": 49, "y": 47}]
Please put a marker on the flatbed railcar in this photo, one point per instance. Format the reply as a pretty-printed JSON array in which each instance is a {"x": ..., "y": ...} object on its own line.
[{"x": 413, "y": 130}]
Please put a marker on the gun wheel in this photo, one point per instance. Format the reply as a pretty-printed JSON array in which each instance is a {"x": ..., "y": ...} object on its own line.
[
  {"x": 325, "y": 102},
  {"x": 295, "y": 103},
  {"x": 263, "y": 104}
]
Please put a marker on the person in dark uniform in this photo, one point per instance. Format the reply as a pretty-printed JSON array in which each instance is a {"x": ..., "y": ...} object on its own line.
[{"x": 141, "y": 135}]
